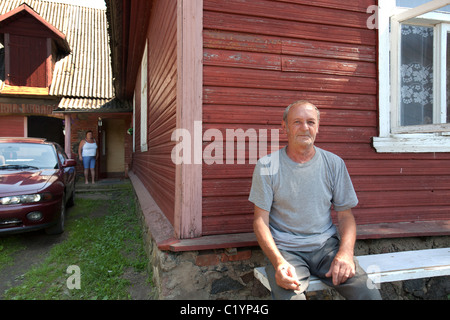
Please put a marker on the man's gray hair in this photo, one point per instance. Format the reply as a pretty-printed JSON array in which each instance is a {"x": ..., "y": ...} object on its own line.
[{"x": 299, "y": 103}]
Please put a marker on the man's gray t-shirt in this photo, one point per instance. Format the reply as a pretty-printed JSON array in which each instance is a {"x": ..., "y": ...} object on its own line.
[{"x": 299, "y": 197}]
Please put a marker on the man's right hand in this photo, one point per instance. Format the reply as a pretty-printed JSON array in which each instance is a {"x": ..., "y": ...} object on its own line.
[
  {"x": 284, "y": 273},
  {"x": 286, "y": 277}
]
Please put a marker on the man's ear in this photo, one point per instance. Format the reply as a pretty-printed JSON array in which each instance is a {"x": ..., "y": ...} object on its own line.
[{"x": 284, "y": 128}]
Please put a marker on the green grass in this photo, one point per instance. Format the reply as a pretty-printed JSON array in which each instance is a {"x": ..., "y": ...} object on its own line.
[
  {"x": 103, "y": 247},
  {"x": 8, "y": 247}
]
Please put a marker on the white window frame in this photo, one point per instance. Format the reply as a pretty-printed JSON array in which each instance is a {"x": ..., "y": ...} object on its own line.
[
  {"x": 392, "y": 137},
  {"x": 144, "y": 108}
]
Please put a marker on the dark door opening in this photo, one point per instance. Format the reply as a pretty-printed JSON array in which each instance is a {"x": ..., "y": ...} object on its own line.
[{"x": 49, "y": 128}]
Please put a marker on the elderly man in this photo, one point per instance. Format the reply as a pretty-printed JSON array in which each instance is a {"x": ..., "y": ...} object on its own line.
[{"x": 293, "y": 191}]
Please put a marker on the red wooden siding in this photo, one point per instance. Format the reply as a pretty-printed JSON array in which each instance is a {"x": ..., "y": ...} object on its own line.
[
  {"x": 155, "y": 167},
  {"x": 12, "y": 126},
  {"x": 260, "y": 56},
  {"x": 28, "y": 58}
]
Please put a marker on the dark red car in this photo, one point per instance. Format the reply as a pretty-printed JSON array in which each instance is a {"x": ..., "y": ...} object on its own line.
[{"x": 37, "y": 181}]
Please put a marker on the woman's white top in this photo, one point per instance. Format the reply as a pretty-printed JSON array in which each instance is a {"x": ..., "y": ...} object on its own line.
[{"x": 89, "y": 149}]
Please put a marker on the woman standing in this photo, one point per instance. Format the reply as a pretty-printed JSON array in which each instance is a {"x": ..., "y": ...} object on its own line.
[{"x": 88, "y": 153}]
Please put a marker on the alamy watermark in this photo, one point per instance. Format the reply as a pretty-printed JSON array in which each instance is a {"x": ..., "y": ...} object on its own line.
[
  {"x": 74, "y": 280},
  {"x": 373, "y": 280},
  {"x": 372, "y": 21},
  {"x": 230, "y": 148}
]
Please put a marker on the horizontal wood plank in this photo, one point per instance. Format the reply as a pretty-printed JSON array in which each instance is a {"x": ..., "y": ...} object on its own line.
[
  {"x": 403, "y": 229},
  {"x": 361, "y": 151},
  {"x": 355, "y": 5},
  {"x": 395, "y": 214},
  {"x": 241, "y": 186},
  {"x": 330, "y": 50},
  {"x": 226, "y": 187},
  {"x": 237, "y": 205},
  {"x": 231, "y": 224},
  {"x": 325, "y": 66},
  {"x": 398, "y": 167},
  {"x": 404, "y": 198},
  {"x": 251, "y": 60},
  {"x": 288, "y": 11},
  {"x": 218, "y": 39},
  {"x": 226, "y": 206},
  {"x": 328, "y": 134},
  {"x": 270, "y": 115},
  {"x": 289, "y": 29},
  {"x": 282, "y": 98},
  {"x": 405, "y": 183},
  {"x": 263, "y": 79}
]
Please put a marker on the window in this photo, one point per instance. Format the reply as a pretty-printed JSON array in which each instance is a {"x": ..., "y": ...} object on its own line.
[
  {"x": 144, "y": 113},
  {"x": 414, "y": 78},
  {"x": 28, "y": 154},
  {"x": 416, "y": 75}
]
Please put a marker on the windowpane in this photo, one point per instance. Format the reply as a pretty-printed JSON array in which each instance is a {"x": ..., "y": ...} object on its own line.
[
  {"x": 416, "y": 72},
  {"x": 448, "y": 78}
]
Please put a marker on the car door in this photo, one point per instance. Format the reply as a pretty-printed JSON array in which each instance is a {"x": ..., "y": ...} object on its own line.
[{"x": 68, "y": 173}]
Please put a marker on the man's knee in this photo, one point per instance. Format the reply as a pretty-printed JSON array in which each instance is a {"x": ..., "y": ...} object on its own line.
[{"x": 359, "y": 287}]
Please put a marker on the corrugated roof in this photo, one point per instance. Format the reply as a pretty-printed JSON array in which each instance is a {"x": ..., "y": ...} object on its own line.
[
  {"x": 86, "y": 72},
  {"x": 94, "y": 105}
]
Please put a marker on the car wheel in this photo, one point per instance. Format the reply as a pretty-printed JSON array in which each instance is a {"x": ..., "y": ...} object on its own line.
[
  {"x": 71, "y": 202},
  {"x": 59, "y": 226}
]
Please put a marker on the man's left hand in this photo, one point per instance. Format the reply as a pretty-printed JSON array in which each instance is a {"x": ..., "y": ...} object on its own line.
[{"x": 342, "y": 268}]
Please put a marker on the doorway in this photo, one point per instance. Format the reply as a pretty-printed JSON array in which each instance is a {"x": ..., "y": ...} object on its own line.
[
  {"x": 112, "y": 148},
  {"x": 49, "y": 128}
]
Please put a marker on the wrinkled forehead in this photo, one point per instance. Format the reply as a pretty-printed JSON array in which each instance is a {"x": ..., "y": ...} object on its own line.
[{"x": 303, "y": 110}]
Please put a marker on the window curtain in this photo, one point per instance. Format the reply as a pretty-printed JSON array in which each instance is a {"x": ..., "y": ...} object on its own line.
[{"x": 416, "y": 72}]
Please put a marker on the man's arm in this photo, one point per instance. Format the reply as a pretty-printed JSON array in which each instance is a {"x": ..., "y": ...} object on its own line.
[
  {"x": 284, "y": 273},
  {"x": 343, "y": 266}
]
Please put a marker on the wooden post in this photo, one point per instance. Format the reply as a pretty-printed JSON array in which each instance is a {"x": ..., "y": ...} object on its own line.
[
  {"x": 188, "y": 176},
  {"x": 68, "y": 135}
]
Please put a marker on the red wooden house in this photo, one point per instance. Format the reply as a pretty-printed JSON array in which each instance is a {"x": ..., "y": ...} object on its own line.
[
  {"x": 56, "y": 79},
  {"x": 208, "y": 66}
]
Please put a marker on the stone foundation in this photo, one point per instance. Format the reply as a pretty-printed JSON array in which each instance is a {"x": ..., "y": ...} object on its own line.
[{"x": 207, "y": 275}]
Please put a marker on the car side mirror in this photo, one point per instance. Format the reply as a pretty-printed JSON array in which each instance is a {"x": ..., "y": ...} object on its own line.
[{"x": 69, "y": 163}]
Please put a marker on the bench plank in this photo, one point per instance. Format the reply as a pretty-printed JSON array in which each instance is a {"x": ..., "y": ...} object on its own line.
[
  {"x": 388, "y": 267},
  {"x": 406, "y": 265}
]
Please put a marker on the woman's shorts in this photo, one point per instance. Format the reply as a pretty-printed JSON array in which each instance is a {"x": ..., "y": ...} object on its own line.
[{"x": 89, "y": 162}]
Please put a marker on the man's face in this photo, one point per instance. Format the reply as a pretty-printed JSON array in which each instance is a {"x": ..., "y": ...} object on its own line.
[{"x": 301, "y": 125}]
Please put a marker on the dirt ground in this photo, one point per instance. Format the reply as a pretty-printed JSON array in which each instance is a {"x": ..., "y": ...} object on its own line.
[{"x": 38, "y": 244}]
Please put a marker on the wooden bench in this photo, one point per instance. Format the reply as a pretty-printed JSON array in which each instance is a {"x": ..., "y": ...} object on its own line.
[{"x": 388, "y": 267}]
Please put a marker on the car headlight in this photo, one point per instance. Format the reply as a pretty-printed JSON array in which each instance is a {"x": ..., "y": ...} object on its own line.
[{"x": 27, "y": 198}]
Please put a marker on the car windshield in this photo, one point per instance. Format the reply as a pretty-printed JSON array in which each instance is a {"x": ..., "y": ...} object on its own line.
[{"x": 27, "y": 156}]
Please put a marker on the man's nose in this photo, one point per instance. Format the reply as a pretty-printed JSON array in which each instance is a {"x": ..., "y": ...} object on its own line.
[{"x": 304, "y": 125}]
